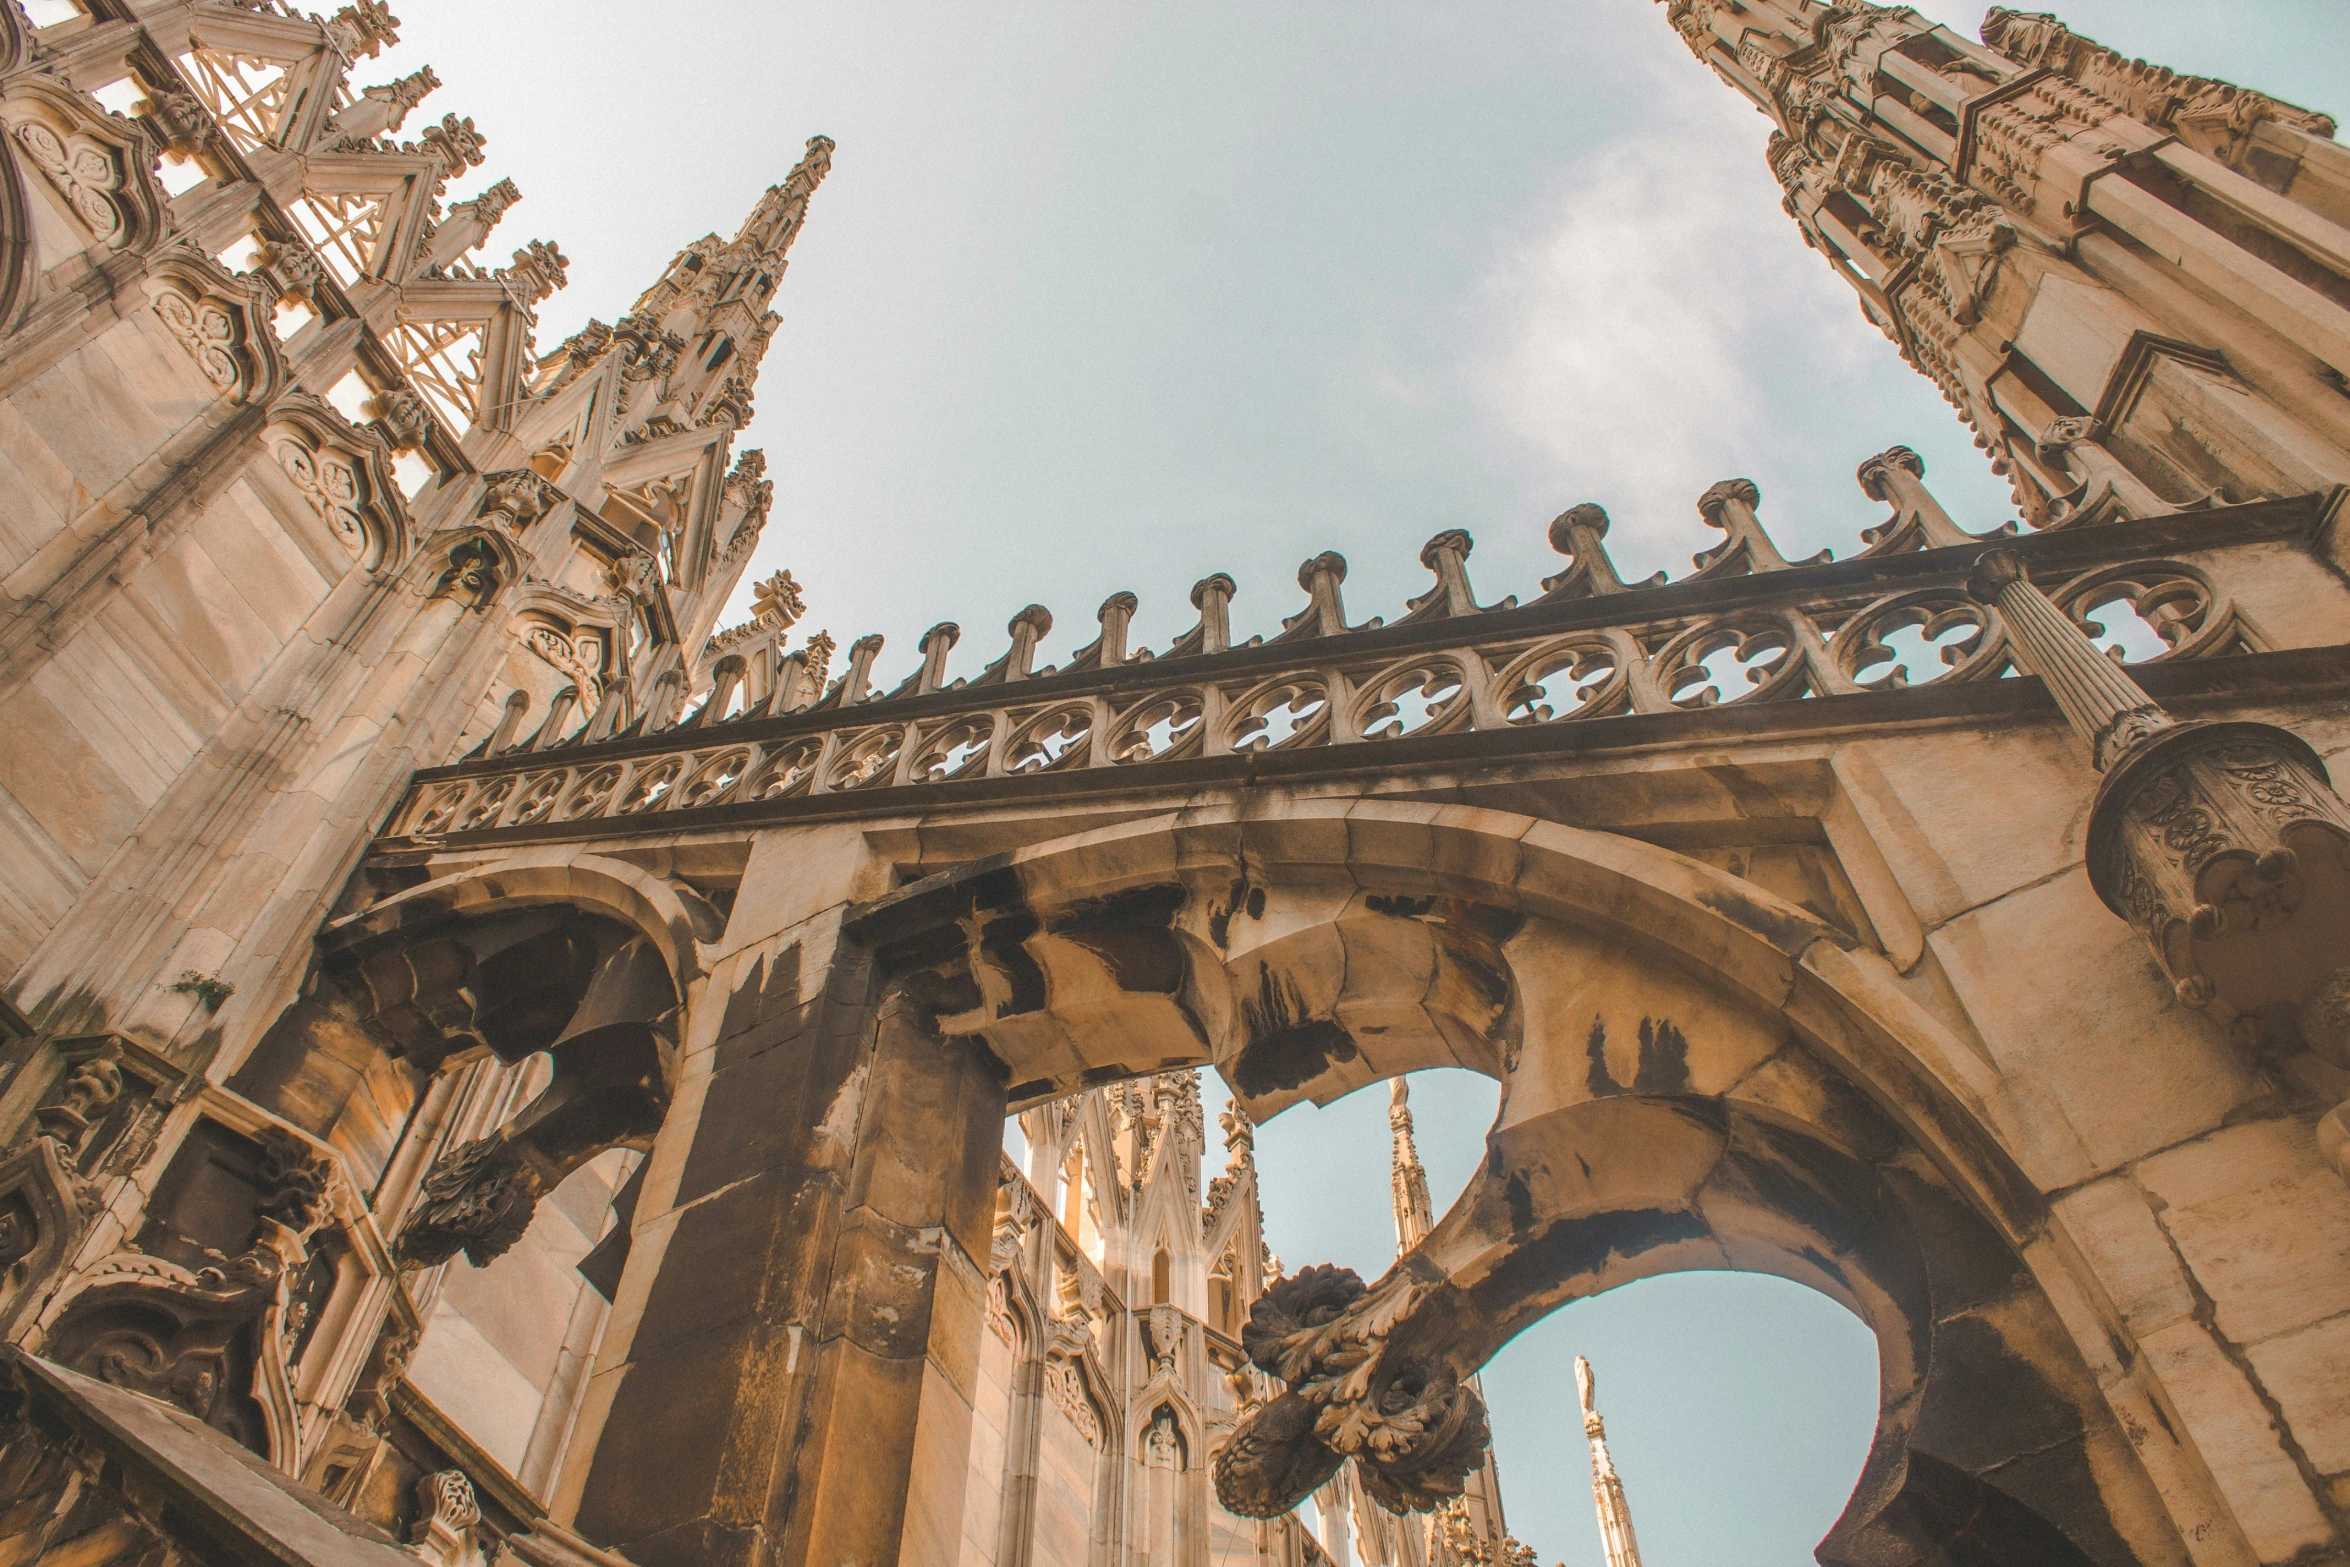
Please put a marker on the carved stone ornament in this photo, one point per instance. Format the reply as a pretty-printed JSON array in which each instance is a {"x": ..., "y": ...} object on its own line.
[
  {"x": 207, "y": 1340},
  {"x": 42, "y": 1212},
  {"x": 99, "y": 164},
  {"x": 478, "y": 1200},
  {"x": 178, "y": 119},
  {"x": 401, "y": 418},
  {"x": 516, "y": 498},
  {"x": 2226, "y": 846},
  {"x": 344, "y": 473},
  {"x": 1414, "y": 1430},
  {"x": 1064, "y": 1383},
  {"x": 473, "y": 576},
  {"x": 447, "y": 1513}
]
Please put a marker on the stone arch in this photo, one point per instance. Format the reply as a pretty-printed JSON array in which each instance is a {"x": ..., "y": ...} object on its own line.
[
  {"x": 1165, "y": 1396},
  {"x": 592, "y": 961},
  {"x": 673, "y": 918},
  {"x": 1835, "y": 1132},
  {"x": 100, "y": 166},
  {"x": 20, "y": 260}
]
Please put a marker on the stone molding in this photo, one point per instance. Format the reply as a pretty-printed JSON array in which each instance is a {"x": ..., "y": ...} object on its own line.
[{"x": 1630, "y": 656}]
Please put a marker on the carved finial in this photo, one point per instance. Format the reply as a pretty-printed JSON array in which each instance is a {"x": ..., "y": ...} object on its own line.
[
  {"x": 1607, "y": 1487},
  {"x": 1109, "y": 649},
  {"x": 1896, "y": 476},
  {"x": 1730, "y": 506},
  {"x": 1577, "y": 533},
  {"x": 509, "y": 723},
  {"x": 1415, "y": 1211},
  {"x": 819, "y": 651},
  {"x": 454, "y": 141},
  {"x": 363, "y": 29},
  {"x": 1212, "y": 597},
  {"x": 1325, "y": 611},
  {"x": 1240, "y": 1133},
  {"x": 1447, "y": 555},
  {"x": 540, "y": 269},
  {"x": 778, "y": 599},
  {"x": 726, "y": 676},
  {"x": 558, "y": 709},
  {"x": 936, "y": 643},
  {"x": 1031, "y": 626},
  {"x": 857, "y": 684}
]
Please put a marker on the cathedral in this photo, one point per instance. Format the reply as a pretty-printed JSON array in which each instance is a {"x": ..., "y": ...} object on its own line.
[{"x": 500, "y": 1068}]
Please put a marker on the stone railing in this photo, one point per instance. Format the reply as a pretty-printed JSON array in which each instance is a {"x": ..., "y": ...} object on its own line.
[{"x": 1748, "y": 628}]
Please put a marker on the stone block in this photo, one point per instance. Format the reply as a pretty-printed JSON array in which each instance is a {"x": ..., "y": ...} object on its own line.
[
  {"x": 2237, "y": 1440},
  {"x": 2308, "y": 1374},
  {"x": 1956, "y": 837},
  {"x": 2262, "y": 1222},
  {"x": 2070, "y": 1004},
  {"x": 2114, "y": 1227}
]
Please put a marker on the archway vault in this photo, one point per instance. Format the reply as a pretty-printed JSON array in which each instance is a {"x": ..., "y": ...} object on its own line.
[{"x": 1695, "y": 1074}]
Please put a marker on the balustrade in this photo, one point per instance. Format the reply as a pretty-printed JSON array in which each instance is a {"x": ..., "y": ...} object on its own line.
[{"x": 1747, "y": 628}]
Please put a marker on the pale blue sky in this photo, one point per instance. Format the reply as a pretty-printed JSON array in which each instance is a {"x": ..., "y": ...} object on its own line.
[{"x": 1111, "y": 297}]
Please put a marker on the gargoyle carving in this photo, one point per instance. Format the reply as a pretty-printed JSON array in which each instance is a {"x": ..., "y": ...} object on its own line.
[
  {"x": 478, "y": 1200},
  {"x": 1414, "y": 1430}
]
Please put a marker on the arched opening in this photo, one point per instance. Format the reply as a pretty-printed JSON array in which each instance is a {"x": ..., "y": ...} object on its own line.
[
  {"x": 1223, "y": 1302},
  {"x": 1739, "y": 1410},
  {"x": 506, "y": 1346},
  {"x": 1669, "y": 1105},
  {"x": 1161, "y": 1275},
  {"x": 1741, "y": 1406}
]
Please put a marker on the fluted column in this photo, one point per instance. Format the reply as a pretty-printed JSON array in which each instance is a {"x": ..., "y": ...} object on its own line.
[
  {"x": 2221, "y": 842},
  {"x": 2106, "y": 708}
]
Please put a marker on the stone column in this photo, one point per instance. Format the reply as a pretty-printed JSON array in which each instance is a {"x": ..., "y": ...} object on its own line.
[
  {"x": 2223, "y": 843},
  {"x": 2105, "y": 707},
  {"x": 796, "y": 1385}
]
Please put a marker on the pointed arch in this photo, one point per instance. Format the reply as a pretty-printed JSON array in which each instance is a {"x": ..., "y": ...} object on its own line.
[{"x": 99, "y": 166}]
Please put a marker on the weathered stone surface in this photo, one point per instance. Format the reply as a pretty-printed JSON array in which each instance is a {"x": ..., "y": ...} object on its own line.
[
  {"x": 2267, "y": 1240},
  {"x": 375, "y": 892}
]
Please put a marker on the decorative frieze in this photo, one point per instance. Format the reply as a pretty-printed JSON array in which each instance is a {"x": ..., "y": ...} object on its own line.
[{"x": 1591, "y": 650}]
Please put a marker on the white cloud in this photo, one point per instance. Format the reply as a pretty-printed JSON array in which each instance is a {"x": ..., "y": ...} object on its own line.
[{"x": 1638, "y": 322}]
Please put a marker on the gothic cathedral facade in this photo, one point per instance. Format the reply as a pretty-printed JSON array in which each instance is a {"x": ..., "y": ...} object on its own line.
[{"x": 497, "y": 1067}]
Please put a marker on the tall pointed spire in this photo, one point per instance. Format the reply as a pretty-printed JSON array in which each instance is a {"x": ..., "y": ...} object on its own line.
[
  {"x": 1966, "y": 192},
  {"x": 1415, "y": 1215},
  {"x": 1607, "y": 1487}
]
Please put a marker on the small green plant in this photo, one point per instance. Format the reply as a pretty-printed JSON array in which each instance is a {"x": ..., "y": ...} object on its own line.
[{"x": 207, "y": 988}]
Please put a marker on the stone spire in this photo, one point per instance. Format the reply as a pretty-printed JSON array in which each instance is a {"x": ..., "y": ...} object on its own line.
[
  {"x": 696, "y": 337},
  {"x": 1992, "y": 205},
  {"x": 1607, "y": 1487},
  {"x": 1415, "y": 1215}
]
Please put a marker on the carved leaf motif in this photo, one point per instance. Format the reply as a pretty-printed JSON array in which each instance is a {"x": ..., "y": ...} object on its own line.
[
  {"x": 1066, "y": 1386},
  {"x": 207, "y": 329}
]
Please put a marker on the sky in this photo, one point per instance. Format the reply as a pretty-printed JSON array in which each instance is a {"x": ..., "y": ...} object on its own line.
[{"x": 1104, "y": 298}]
